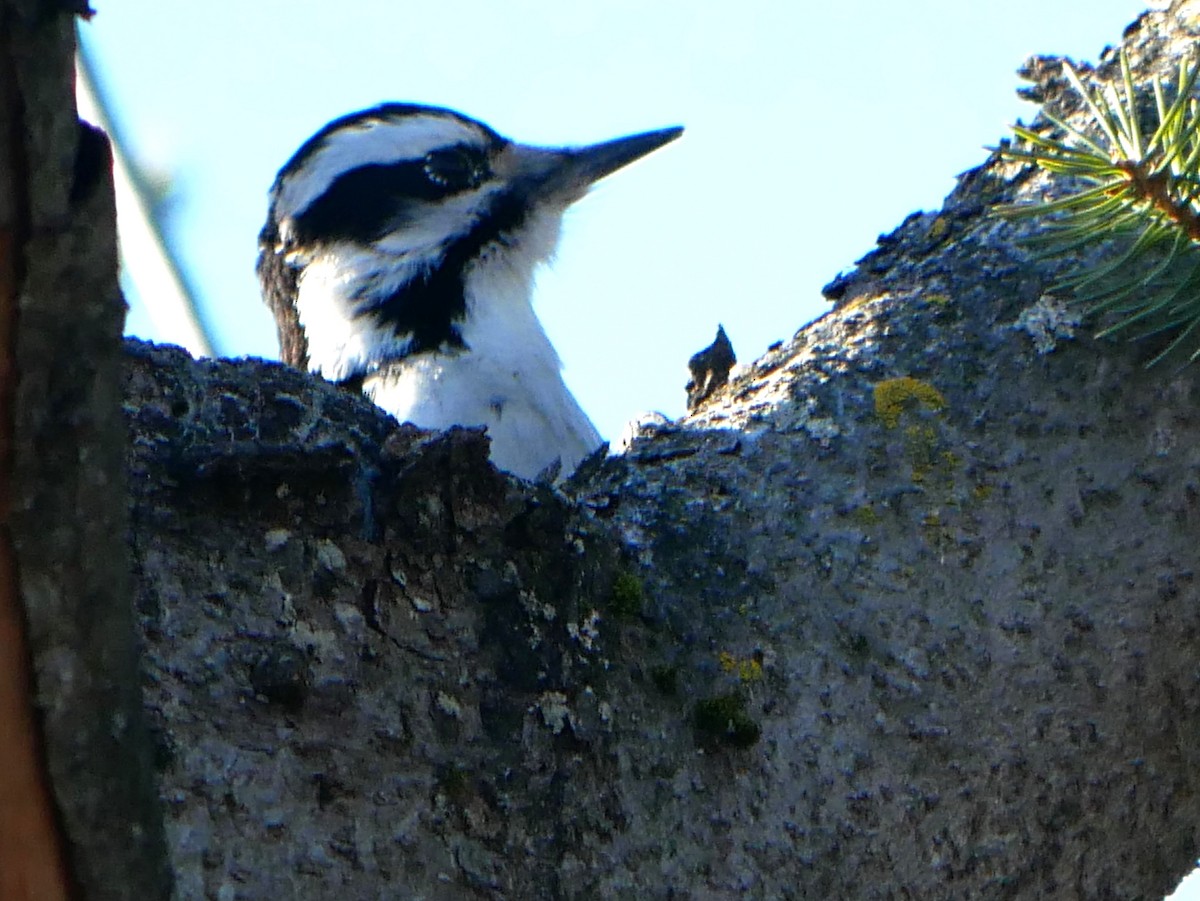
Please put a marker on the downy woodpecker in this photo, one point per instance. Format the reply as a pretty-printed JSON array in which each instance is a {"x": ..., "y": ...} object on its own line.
[{"x": 399, "y": 253}]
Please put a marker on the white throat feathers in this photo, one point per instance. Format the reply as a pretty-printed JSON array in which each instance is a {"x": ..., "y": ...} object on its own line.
[{"x": 399, "y": 252}]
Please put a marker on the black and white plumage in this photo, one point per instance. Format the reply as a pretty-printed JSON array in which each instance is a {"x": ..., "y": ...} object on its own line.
[{"x": 399, "y": 253}]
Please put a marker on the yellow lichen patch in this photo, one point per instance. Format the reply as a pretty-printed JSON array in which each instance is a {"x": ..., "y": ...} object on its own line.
[
  {"x": 920, "y": 442},
  {"x": 938, "y": 228},
  {"x": 866, "y": 515},
  {"x": 748, "y": 669},
  {"x": 894, "y": 396},
  {"x": 860, "y": 301},
  {"x": 939, "y": 300},
  {"x": 938, "y": 533}
]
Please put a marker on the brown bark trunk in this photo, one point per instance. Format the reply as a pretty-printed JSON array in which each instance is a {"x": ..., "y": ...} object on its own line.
[{"x": 76, "y": 784}]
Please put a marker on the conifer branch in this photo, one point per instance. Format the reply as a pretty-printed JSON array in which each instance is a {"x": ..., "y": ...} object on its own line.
[{"x": 1142, "y": 194}]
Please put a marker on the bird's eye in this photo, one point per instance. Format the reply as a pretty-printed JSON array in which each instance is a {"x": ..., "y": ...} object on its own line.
[{"x": 456, "y": 168}]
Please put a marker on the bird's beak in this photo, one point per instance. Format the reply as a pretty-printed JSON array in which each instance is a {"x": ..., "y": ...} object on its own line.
[
  {"x": 567, "y": 173},
  {"x": 590, "y": 164}
]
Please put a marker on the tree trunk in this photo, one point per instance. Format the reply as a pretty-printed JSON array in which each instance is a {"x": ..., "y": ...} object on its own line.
[
  {"x": 908, "y": 609},
  {"x": 70, "y": 684}
]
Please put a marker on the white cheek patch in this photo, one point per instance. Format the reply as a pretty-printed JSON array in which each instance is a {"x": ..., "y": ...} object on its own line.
[
  {"x": 452, "y": 217},
  {"x": 344, "y": 338}
]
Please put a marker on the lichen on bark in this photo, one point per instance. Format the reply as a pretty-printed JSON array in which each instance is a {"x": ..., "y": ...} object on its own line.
[{"x": 962, "y": 646}]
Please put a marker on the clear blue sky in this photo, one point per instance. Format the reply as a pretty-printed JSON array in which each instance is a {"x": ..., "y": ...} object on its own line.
[{"x": 811, "y": 129}]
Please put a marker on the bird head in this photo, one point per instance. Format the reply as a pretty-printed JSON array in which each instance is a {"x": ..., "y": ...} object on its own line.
[{"x": 388, "y": 225}]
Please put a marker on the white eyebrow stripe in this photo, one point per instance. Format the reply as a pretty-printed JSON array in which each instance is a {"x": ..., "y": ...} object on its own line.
[{"x": 373, "y": 140}]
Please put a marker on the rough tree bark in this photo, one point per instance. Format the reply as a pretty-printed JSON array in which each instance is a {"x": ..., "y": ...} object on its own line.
[
  {"x": 907, "y": 609},
  {"x": 64, "y": 561}
]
